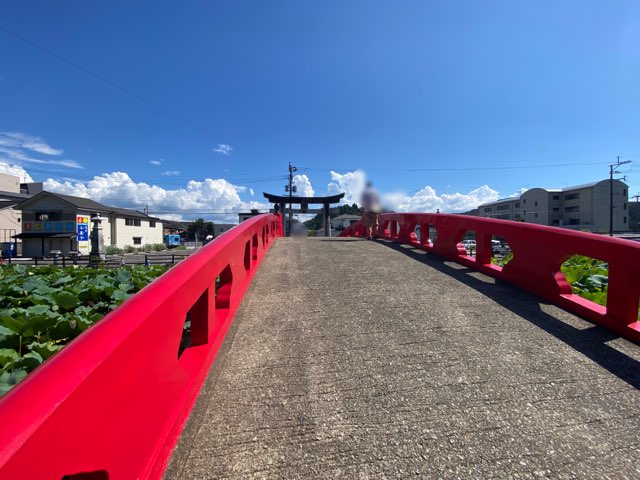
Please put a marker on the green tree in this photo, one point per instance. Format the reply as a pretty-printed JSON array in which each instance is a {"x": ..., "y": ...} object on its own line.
[
  {"x": 316, "y": 222},
  {"x": 201, "y": 228}
]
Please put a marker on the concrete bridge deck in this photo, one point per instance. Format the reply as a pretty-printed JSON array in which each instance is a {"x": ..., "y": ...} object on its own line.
[{"x": 357, "y": 359}]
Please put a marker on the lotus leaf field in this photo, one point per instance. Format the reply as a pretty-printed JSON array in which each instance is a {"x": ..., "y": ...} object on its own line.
[
  {"x": 44, "y": 308},
  {"x": 588, "y": 276}
]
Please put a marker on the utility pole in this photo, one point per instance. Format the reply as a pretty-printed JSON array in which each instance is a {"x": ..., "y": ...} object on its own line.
[
  {"x": 637, "y": 215},
  {"x": 290, "y": 188},
  {"x": 613, "y": 169}
]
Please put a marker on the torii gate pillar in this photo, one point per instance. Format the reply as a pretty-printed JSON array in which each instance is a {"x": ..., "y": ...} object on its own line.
[{"x": 327, "y": 221}]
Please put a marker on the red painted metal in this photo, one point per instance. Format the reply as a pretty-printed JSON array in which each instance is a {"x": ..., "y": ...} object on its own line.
[
  {"x": 538, "y": 253},
  {"x": 113, "y": 402}
]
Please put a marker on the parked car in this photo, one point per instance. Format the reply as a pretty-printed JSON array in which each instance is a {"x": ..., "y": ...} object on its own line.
[
  {"x": 469, "y": 245},
  {"x": 499, "y": 248}
]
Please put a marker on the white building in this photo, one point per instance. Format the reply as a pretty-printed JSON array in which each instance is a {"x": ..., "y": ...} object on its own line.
[
  {"x": 343, "y": 221},
  {"x": 581, "y": 207},
  {"x": 10, "y": 216},
  {"x": 52, "y": 221}
]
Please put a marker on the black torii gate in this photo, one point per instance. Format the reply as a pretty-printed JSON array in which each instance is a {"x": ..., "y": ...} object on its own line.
[{"x": 304, "y": 202}]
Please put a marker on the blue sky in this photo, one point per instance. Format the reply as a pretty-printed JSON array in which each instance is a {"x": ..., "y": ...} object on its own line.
[{"x": 384, "y": 87}]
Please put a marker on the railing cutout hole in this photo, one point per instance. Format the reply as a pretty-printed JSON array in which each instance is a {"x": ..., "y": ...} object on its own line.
[
  {"x": 588, "y": 277},
  {"x": 254, "y": 243},
  {"x": 97, "y": 475},
  {"x": 468, "y": 242},
  {"x": 501, "y": 253},
  {"x": 433, "y": 235},
  {"x": 194, "y": 330},
  {"x": 416, "y": 231},
  {"x": 247, "y": 256},
  {"x": 223, "y": 293}
]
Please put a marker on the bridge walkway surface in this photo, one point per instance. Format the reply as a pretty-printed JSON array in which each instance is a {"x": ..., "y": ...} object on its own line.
[{"x": 358, "y": 359}]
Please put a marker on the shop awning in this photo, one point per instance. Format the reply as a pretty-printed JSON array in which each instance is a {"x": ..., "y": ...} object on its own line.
[{"x": 44, "y": 235}]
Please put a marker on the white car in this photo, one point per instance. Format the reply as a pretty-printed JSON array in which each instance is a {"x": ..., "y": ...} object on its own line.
[
  {"x": 469, "y": 245},
  {"x": 498, "y": 248}
]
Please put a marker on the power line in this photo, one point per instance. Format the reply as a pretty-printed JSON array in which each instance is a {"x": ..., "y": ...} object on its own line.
[
  {"x": 118, "y": 87},
  {"x": 111, "y": 83},
  {"x": 511, "y": 167}
]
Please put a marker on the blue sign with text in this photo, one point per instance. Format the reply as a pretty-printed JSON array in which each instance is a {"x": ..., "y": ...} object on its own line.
[{"x": 83, "y": 232}]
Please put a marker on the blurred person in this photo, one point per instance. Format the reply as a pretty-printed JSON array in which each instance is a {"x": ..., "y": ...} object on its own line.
[{"x": 370, "y": 201}]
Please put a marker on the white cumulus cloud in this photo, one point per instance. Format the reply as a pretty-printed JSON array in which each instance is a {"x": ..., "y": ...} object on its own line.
[
  {"x": 170, "y": 173},
  {"x": 217, "y": 199},
  {"x": 428, "y": 200},
  {"x": 424, "y": 200},
  {"x": 156, "y": 162},
  {"x": 303, "y": 185},
  {"x": 351, "y": 183},
  {"x": 15, "y": 170},
  {"x": 520, "y": 191},
  {"x": 222, "y": 148}
]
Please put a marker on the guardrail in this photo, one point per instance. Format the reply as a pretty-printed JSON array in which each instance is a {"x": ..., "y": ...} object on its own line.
[
  {"x": 112, "y": 403},
  {"x": 538, "y": 252},
  {"x": 112, "y": 261}
]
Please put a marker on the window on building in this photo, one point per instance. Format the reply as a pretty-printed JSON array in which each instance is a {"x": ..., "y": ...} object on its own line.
[
  {"x": 504, "y": 216},
  {"x": 535, "y": 204},
  {"x": 48, "y": 216},
  {"x": 517, "y": 205},
  {"x": 503, "y": 207},
  {"x": 536, "y": 215},
  {"x": 132, "y": 222},
  {"x": 624, "y": 192},
  {"x": 624, "y": 220},
  {"x": 572, "y": 209},
  {"x": 487, "y": 209},
  {"x": 556, "y": 209},
  {"x": 137, "y": 240},
  {"x": 625, "y": 207},
  {"x": 574, "y": 221},
  {"x": 555, "y": 197},
  {"x": 152, "y": 223},
  {"x": 555, "y": 222},
  {"x": 524, "y": 201},
  {"x": 572, "y": 196}
]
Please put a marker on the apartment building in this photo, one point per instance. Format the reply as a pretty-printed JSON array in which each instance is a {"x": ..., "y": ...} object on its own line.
[{"x": 580, "y": 207}]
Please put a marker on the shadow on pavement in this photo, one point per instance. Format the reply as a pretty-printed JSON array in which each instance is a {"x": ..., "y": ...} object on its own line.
[
  {"x": 324, "y": 239},
  {"x": 591, "y": 342}
]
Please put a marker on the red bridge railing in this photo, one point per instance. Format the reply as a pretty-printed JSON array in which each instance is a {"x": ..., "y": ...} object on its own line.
[
  {"x": 538, "y": 253},
  {"x": 112, "y": 403}
]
